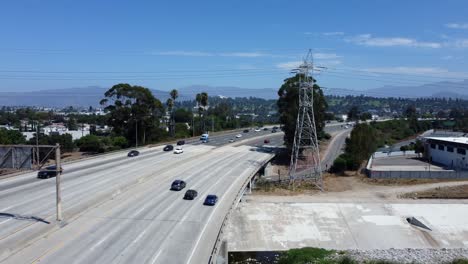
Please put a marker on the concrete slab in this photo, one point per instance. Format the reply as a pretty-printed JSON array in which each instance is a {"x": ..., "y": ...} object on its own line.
[
  {"x": 281, "y": 226},
  {"x": 403, "y": 163}
]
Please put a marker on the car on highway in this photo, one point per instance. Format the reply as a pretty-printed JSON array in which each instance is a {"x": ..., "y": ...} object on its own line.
[
  {"x": 231, "y": 140},
  {"x": 180, "y": 142},
  {"x": 48, "y": 172},
  {"x": 273, "y": 131},
  {"x": 210, "y": 199},
  {"x": 266, "y": 141},
  {"x": 133, "y": 153},
  {"x": 275, "y": 127},
  {"x": 265, "y": 128},
  {"x": 168, "y": 148},
  {"x": 204, "y": 137},
  {"x": 178, "y": 150},
  {"x": 190, "y": 194},
  {"x": 257, "y": 129},
  {"x": 238, "y": 135},
  {"x": 178, "y": 185},
  {"x": 246, "y": 131}
]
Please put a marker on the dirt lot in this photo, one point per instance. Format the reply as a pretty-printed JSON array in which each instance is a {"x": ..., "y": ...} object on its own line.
[
  {"x": 359, "y": 185},
  {"x": 451, "y": 192}
]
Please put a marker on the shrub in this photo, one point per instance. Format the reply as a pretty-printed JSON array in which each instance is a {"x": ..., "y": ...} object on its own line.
[
  {"x": 119, "y": 142},
  {"x": 339, "y": 165},
  {"x": 304, "y": 255},
  {"x": 90, "y": 143}
]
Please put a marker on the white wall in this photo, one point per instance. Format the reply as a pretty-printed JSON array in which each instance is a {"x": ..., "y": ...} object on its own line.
[{"x": 450, "y": 159}]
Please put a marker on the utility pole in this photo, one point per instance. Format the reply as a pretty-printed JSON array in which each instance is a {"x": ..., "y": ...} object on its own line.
[
  {"x": 212, "y": 123},
  {"x": 193, "y": 128},
  {"x": 305, "y": 156},
  {"x": 58, "y": 171},
  {"x": 37, "y": 144},
  {"x": 136, "y": 133}
]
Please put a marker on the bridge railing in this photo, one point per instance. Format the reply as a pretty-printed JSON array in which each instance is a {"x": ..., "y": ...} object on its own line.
[{"x": 240, "y": 193}]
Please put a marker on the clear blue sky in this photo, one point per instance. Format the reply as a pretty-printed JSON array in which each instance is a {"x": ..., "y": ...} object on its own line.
[{"x": 252, "y": 44}]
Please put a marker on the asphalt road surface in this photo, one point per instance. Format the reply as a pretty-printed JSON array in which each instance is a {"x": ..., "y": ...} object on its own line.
[{"x": 120, "y": 210}]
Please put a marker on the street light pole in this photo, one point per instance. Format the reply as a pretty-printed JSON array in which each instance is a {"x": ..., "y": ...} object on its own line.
[
  {"x": 37, "y": 144},
  {"x": 58, "y": 171}
]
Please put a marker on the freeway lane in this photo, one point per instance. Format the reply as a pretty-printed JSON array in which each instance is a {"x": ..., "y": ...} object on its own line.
[
  {"x": 127, "y": 212},
  {"x": 119, "y": 209}
]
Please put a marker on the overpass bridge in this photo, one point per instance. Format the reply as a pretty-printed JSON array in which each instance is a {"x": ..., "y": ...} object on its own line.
[{"x": 120, "y": 210}]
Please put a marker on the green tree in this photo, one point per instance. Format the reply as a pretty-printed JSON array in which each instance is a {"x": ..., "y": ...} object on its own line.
[
  {"x": 11, "y": 137},
  {"x": 365, "y": 116},
  {"x": 174, "y": 94},
  {"x": 133, "y": 112},
  {"x": 418, "y": 147},
  {"x": 119, "y": 142},
  {"x": 90, "y": 143},
  {"x": 339, "y": 165},
  {"x": 288, "y": 104},
  {"x": 353, "y": 113},
  {"x": 170, "y": 105},
  {"x": 71, "y": 124},
  {"x": 202, "y": 102},
  {"x": 182, "y": 115},
  {"x": 361, "y": 144}
]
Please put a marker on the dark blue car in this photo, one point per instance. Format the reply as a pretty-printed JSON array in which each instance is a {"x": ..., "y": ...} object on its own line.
[{"x": 211, "y": 199}]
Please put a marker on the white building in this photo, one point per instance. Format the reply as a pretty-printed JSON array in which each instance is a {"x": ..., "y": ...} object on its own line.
[{"x": 449, "y": 151}]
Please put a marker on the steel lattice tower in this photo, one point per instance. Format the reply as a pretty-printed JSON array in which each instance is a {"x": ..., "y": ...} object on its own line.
[{"x": 305, "y": 156}]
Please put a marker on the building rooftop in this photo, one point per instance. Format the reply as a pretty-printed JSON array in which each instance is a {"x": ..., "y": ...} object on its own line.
[{"x": 462, "y": 140}]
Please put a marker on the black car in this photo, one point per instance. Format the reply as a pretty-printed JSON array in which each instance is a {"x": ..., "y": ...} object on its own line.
[
  {"x": 180, "y": 142},
  {"x": 273, "y": 131},
  {"x": 190, "y": 194},
  {"x": 48, "y": 172},
  {"x": 168, "y": 148},
  {"x": 177, "y": 185},
  {"x": 211, "y": 199},
  {"x": 133, "y": 153},
  {"x": 265, "y": 128},
  {"x": 246, "y": 131},
  {"x": 275, "y": 127}
]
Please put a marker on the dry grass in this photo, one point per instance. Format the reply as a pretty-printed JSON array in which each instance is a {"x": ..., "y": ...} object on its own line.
[{"x": 451, "y": 192}]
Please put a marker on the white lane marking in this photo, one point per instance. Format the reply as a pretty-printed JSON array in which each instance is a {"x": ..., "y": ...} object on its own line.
[
  {"x": 101, "y": 241},
  {"x": 6, "y": 208},
  {"x": 5, "y": 221},
  {"x": 155, "y": 258},
  {"x": 139, "y": 236},
  {"x": 208, "y": 221}
]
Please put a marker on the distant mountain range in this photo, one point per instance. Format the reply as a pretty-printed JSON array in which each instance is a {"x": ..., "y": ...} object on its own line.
[
  {"x": 90, "y": 96},
  {"x": 438, "y": 89}
]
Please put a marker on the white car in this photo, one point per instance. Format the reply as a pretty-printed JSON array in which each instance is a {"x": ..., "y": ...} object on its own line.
[
  {"x": 257, "y": 130},
  {"x": 178, "y": 150},
  {"x": 231, "y": 140},
  {"x": 238, "y": 135}
]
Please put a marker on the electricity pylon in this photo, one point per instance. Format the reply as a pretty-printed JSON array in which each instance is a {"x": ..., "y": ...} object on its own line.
[{"x": 305, "y": 156}]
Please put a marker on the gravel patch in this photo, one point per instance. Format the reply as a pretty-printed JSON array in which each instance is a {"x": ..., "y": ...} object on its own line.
[{"x": 442, "y": 255}]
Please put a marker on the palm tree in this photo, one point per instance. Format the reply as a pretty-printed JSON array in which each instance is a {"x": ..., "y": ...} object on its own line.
[
  {"x": 204, "y": 104},
  {"x": 174, "y": 94},
  {"x": 198, "y": 98}
]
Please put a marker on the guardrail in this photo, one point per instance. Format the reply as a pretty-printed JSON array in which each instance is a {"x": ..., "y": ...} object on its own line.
[{"x": 239, "y": 195}]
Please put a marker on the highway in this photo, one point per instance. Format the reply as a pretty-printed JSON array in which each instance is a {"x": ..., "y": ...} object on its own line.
[{"x": 120, "y": 210}]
